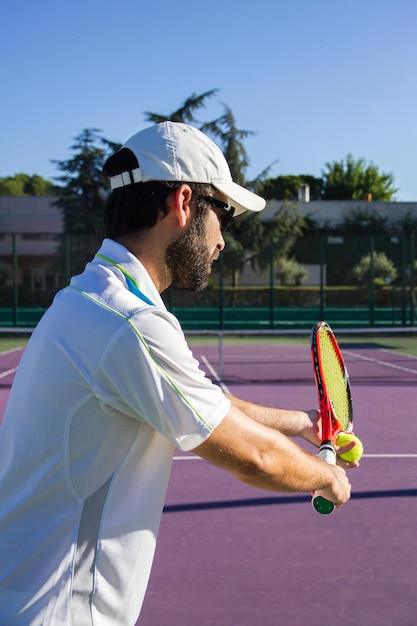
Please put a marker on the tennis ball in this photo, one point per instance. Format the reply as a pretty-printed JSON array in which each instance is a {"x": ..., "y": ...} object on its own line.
[{"x": 343, "y": 439}]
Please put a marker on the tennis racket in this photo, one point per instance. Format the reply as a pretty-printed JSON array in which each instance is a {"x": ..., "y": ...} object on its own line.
[{"x": 335, "y": 401}]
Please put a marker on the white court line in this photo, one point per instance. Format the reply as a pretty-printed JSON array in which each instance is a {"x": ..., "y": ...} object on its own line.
[
  {"x": 214, "y": 374},
  {"x": 7, "y": 372},
  {"x": 6, "y": 352},
  {"x": 376, "y": 456},
  {"x": 13, "y": 370},
  {"x": 391, "y": 456},
  {"x": 373, "y": 456},
  {"x": 361, "y": 357}
]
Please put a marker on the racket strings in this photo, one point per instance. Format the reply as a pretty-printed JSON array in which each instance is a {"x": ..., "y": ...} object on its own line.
[{"x": 336, "y": 380}]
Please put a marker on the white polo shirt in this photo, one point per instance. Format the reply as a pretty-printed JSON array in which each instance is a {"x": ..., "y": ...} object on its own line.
[{"x": 105, "y": 391}]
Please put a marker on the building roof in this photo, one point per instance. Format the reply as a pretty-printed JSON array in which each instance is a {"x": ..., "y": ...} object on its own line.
[{"x": 30, "y": 214}]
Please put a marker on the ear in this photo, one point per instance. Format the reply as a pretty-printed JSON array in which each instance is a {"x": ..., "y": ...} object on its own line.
[{"x": 179, "y": 204}]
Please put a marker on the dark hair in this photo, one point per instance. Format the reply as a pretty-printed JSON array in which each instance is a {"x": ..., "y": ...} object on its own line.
[{"x": 133, "y": 208}]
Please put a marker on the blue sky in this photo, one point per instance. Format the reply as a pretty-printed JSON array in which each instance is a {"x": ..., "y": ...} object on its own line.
[{"x": 314, "y": 80}]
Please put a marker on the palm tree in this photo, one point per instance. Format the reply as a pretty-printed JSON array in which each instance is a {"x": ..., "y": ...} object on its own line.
[{"x": 185, "y": 113}]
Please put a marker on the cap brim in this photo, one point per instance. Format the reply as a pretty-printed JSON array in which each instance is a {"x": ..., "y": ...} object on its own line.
[{"x": 242, "y": 199}]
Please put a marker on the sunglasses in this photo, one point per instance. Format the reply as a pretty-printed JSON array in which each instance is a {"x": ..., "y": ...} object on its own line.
[{"x": 225, "y": 211}]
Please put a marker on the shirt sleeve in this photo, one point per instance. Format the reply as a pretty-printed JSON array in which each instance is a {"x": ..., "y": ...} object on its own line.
[{"x": 149, "y": 373}]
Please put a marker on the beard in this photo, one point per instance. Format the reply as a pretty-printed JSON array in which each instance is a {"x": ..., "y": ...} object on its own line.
[{"x": 189, "y": 258}]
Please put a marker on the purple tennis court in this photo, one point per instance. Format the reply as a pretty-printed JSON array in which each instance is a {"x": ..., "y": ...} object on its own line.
[{"x": 229, "y": 554}]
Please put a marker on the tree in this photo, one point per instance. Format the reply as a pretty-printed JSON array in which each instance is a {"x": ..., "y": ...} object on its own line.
[
  {"x": 230, "y": 139},
  {"x": 80, "y": 196},
  {"x": 289, "y": 271},
  {"x": 352, "y": 179},
  {"x": 246, "y": 233},
  {"x": 250, "y": 241},
  {"x": 286, "y": 187},
  {"x": 407, "y": 225},
  {"x": 223, "y": 129},
  {"x": 363, "y": 221},
  {"x": 246, "y": 238},
  {"x": 279, "y": 237},
  {"x": 185, "y": 113},
  {"x": 377, "y": 267},
  {"x": 26, "y": 185},
  {"x": 257, "y": 243},
  {"x": 243, "y": 239}
]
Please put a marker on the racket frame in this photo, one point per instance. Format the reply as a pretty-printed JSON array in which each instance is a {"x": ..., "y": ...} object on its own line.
[{"x": 330, "y": 424}]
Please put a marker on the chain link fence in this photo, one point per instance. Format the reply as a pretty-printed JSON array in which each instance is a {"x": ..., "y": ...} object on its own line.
[{"x": 350, "y": 281}]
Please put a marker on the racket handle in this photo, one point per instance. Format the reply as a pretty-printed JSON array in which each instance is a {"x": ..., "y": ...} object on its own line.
[{"x": 321, "y": 505}]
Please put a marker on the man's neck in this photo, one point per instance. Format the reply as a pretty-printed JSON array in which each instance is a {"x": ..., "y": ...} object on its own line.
[{"x": 152, "y": 257}]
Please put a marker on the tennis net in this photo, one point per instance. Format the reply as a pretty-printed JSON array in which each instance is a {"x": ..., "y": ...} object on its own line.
[{"x": 372, "y": 355}]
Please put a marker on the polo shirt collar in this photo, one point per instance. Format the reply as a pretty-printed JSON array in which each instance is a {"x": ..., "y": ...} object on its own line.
[{"x": 117, "y": 254}]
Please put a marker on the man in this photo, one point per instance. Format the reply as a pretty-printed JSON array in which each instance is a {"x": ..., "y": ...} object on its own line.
[{"x": 107, "y": 388}]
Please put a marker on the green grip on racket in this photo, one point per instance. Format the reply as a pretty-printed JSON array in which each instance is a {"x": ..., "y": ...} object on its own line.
[{"x": 321, "y": 505}]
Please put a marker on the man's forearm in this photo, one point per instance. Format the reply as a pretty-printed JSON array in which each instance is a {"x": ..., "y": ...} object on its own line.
[{"x": 288, "y": 422}]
